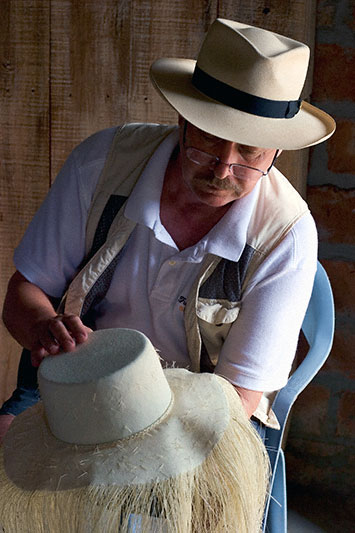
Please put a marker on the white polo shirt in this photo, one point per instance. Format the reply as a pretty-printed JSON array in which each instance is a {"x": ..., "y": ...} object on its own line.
[{"x": 153, "y": 277}]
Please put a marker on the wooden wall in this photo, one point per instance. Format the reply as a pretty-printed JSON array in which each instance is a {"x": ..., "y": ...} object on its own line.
[{"x": 71, "y": 67}]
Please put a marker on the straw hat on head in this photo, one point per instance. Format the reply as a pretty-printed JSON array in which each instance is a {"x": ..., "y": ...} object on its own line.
[
  {"x": 245, "y": 87},
  {"x": 118, "y": 438}
]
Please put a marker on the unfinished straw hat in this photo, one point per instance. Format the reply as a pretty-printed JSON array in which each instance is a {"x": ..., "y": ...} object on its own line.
[
  {"x": 245, "y": 87},
  {"x": 118, "y": 438}
]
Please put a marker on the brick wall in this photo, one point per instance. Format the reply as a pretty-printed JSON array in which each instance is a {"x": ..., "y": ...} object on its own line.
[{"x": 320, "y": 449}]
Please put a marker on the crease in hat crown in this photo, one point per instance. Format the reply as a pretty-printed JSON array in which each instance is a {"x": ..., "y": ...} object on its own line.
[
  {"x": 253, "y": 60},
  {"x": 111, "y": 388},
  {"x": 245, "y": 87}
]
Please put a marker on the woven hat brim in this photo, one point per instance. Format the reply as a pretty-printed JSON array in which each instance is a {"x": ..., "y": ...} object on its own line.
[
  {"x": 172, "y": 79},
  {"x": 225, "y": 493},
  {"x": 36, "y": 460}
]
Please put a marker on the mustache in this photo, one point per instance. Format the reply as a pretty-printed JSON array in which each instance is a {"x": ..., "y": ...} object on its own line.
[{"x": 223, "y": 185}]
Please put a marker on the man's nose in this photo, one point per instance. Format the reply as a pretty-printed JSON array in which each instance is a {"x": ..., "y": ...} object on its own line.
[
  {"x": 227, "y": 155},
  {"x": 221, "y": 170}
]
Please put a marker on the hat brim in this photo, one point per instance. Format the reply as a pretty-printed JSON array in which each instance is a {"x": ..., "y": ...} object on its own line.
[
  {"x": 49, "y": 485},
  {"x": 35, "y": 460},
  {"x": 172, "y": 79}
]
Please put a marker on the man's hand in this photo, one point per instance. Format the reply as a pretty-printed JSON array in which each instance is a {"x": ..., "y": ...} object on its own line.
[
  {"x": 57, "y": 334},
  {"x": 32, "y": 320},
  {"x": 250, "y": 399}
]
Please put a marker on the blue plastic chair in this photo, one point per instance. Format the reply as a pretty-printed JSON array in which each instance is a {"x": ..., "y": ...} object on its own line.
[{"x": 318, "y": 328}]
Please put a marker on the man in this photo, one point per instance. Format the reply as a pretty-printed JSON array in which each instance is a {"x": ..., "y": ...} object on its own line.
[{"x": 212, "y": 253}]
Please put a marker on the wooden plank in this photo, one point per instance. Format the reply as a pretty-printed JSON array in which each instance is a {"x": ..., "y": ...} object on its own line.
[
  {"x": 84, "y": 86},
  {"x": 24, "y": 144},
  {"x": 166, "y": 30},
  {"x": 296, "y": 19},
  {"x": 100, "y": 58}
]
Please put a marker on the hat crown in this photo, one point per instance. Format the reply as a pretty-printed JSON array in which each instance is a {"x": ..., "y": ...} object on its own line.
[
  {"x": 112, "y": 387},
  {"x": 254, "y": 60}
]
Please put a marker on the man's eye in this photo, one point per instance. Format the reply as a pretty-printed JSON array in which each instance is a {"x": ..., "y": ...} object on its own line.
[{"x": 249, "y": 156}]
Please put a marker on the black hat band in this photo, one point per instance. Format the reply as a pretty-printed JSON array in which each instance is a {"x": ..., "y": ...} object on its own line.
[{"x": 255, "y": 105}]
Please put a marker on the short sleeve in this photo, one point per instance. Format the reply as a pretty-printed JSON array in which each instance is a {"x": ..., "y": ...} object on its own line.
[
  {"x": 54, "y": 243},
  {"x": 260, "y": 347}
]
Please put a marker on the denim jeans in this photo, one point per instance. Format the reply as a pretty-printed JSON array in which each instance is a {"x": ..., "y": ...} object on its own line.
[
  {"x": 259, "y": 426},
  {"x": 26, "y": 393}
]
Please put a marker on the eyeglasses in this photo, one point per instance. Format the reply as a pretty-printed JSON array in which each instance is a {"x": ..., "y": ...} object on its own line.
[{"x": 243, "y": 172}]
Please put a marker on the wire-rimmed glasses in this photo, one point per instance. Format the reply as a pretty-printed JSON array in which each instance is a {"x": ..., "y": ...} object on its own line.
[{"x": 243, "y": 172}]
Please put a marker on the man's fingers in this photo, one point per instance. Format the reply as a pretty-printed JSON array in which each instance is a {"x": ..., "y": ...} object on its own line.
[
  {"x": 58, "y": 334},
  {"x": 48, "y": 341},
  {"x": 73, "y": 323},
  {"x": 37, "y": 354}
]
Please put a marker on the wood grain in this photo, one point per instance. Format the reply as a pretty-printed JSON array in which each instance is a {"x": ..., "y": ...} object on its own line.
[
  {"x": 24, "y": 146},
  {"x": 101, "y": 53}
]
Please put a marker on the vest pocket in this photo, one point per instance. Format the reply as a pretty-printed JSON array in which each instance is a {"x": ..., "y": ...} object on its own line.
[{"x": 217, "y": 312}]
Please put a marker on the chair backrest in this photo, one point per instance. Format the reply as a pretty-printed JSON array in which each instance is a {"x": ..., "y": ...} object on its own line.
[{"x": 318, "y": 328}]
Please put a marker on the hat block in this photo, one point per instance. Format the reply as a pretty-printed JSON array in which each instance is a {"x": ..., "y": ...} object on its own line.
[{"x": 117, "y": 395}]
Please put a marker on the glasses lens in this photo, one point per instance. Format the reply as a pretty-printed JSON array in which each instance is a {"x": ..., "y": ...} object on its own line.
[
  {"x": 200, "y": 158},
  {"x": 245, "y": 173},
  {"x": 241, "y": 172}
]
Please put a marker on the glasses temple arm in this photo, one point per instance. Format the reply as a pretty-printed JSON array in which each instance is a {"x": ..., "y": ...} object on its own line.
[{"x": 272, "y": 162}]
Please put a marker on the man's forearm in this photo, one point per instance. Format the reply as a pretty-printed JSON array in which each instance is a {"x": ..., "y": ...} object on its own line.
[
  {"x": 32, "y": 320},
  {"x": 25, "y": 305}
]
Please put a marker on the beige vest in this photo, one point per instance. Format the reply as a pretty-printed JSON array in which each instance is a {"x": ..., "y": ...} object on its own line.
[{"x": 207, "y": 320}]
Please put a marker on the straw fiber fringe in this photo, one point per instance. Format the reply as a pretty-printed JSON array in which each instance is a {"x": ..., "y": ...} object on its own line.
[{"x": 225, "y": 494}]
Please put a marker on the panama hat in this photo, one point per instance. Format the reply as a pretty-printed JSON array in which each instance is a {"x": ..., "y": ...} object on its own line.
[
  {"x": 245, "y": 87},
  {"x": 116, "y": 436}
]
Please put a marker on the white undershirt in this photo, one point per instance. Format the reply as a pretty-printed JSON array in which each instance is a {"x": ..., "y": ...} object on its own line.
[{"x": 153, "y": 277}]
